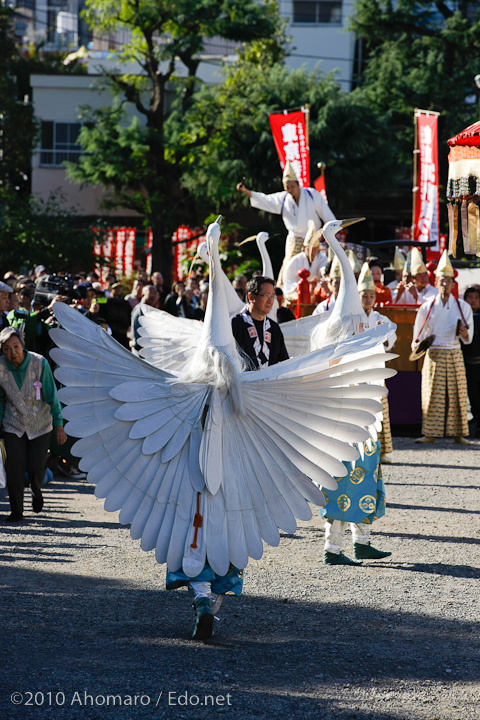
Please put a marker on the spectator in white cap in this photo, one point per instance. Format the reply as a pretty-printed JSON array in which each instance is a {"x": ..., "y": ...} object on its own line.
[
  {"x": 5, "y": 291},
  {"x": 39, "y": 271}
]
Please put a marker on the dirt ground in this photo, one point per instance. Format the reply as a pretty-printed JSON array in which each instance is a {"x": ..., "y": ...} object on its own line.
[{"x": 88, "y": 630}]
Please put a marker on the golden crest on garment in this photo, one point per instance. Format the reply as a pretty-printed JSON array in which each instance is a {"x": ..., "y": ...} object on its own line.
[
  {"x": 367, "y": 503},
  {"x": 375, "y": 474},
  {"x": 325, "y": 496},
  {"x": 343, "y": 502},
  {"x": 372, "y": 450},
  {"x": 357, "y": 475}
]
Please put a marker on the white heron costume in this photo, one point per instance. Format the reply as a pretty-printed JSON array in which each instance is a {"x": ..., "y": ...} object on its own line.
[{"x": 207, "y": 465}]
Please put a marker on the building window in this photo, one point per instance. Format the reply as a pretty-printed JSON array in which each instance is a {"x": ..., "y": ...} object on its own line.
[
  {"x": 59, "y": 143},
  {"x": 317, "y": 11}
]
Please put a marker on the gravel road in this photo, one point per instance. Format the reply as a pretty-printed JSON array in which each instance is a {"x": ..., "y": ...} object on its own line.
[{"x": 89, "y": 631}]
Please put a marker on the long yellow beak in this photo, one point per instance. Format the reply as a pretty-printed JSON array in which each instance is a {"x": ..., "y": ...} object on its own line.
[
  {"x": 249, "y": 239},
  {"x": 351, "y": 221}
]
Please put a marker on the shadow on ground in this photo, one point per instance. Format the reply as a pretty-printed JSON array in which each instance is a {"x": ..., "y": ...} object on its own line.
[{"x": 67, "y": 634}]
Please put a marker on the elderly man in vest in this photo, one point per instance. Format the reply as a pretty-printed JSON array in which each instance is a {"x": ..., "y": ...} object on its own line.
[
  {"x": 296, "y": 205},
  {"x": 29, "y": 410},
  {"x": 447, "y": 322}
]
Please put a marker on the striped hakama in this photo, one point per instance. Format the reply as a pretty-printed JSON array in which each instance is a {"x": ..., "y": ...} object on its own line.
[
  {"x": 385, "y": 434},
  {"x": 444, "y": 394}
]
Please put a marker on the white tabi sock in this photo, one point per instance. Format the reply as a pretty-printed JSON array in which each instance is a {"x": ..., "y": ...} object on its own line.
[
  {"x": 361, "y": 533},
  {"x": 334, "y": 535}
]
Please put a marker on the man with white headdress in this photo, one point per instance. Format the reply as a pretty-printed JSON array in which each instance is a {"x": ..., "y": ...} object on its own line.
[
  {"x": 398, "y": 265},
  {"x": 420, "y": 290},
  {"x": 360, "y": 496},
  {"x": 444, "y": 322},
  {"x": 297, "y": 205},
  {"x": 310, "y": 259}
]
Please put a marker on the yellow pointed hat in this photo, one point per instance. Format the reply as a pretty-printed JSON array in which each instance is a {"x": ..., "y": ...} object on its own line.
[
  {"x": 335, "y": 270},
  {"x": 444, "y": 267},
  {"x": 398, "y": 260},
  {"x": 312, "y": 238},
  {"x": 310, "y": 233},
  {"x": 417, "y": 264},
  {"x": 365, "y": 281},
  {"x": 289, "y": 172},
  {"x": 354, "y": 261}
]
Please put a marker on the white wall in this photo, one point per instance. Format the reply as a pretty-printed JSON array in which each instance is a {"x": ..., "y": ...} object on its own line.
[{"x": 57, "y": 98}]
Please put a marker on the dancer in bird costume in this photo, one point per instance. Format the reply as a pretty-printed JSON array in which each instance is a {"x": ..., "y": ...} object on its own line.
[{"x": 208, "y": 464}]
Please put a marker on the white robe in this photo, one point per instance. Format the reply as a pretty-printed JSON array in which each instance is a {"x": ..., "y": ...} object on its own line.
[
  {"x": 407, "y": 298},
  {"x": 325, "y": 306},
  {"x": 311, "y": 206},
  {"x": 375, "y": 318},
  {"x": 442, "y": 322},
  {"x": 297, "y": 263}
]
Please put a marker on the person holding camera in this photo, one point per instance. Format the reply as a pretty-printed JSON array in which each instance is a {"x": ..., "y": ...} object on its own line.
[
  {"x": 444, "y": 322},
  {"x": 29, "y": 411}
]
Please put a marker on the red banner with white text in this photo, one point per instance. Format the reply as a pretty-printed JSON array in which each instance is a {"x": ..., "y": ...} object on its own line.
[
  {"x": 290, "y": 137},
  {"x": 115, "y": 253},
  {"x": 426, "y": 227}
]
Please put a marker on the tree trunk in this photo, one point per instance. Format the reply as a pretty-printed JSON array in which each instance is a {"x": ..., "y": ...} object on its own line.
[{"x": 162, "y": 250}]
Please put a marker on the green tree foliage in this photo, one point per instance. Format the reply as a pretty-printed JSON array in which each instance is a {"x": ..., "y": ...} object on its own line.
[
  {"x": 139, "y": 162},
  {"x": 17, "y": 124},
  {"x": 35, "y": 232},
  {"x": 420, "y": 54}
]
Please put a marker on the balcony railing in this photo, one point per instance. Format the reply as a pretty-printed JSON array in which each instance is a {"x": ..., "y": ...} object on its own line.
[{"x": 56, "y": 158}]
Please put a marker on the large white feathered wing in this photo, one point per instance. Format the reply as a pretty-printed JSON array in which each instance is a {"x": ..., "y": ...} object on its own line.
[
  {"x": 168, "y": 342},
  {"x": 297, "y": 333},
  {"x": 300, "y": 421},
  {"x": 149, "y": 446},
  {"x": 160, "y": 457},
  {"x": 140, "y": 437}
]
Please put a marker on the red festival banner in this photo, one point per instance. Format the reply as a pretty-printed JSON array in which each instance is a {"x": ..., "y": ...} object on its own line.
[
  {"x": 426, "y": 216},
  {"x": 290, "y": 137},
  {"x": 116, "y": 253}
]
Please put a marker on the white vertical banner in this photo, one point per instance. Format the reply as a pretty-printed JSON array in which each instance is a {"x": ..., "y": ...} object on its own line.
[
  {"x": 129, "y": 252},
  {"x": 120, "y": 252}
]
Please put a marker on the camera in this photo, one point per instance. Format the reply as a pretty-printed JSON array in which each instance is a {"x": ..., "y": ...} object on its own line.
[{"x": 49, "y": 288}]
